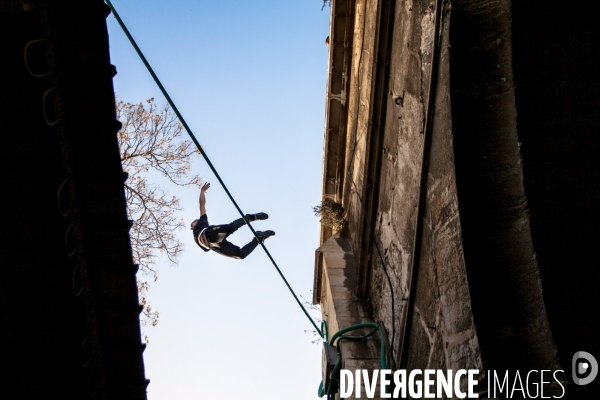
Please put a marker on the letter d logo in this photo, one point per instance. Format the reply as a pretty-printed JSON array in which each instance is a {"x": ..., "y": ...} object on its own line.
[{"x": 584, "y": 367}]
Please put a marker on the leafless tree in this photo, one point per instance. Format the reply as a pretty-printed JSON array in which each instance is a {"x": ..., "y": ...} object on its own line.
[{"x": 151, "y": 141}]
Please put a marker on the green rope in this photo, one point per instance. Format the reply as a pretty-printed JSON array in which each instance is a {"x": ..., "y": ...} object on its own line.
[
  {"x": 189, "y": 131},
  {"x": 382, "y": 350},
  {"x": 339, "y": 336}
]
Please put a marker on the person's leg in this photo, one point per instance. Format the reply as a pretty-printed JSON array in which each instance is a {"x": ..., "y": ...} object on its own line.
[
  {"x": 229, "y": 249},
  {"x": 235, "y": 225},
  {"x": 249, "y": 248},
  {"x": 216, "y": 233}
]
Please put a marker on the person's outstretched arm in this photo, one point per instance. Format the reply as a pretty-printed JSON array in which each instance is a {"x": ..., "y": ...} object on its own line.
[{"x": 204, "y": 188}]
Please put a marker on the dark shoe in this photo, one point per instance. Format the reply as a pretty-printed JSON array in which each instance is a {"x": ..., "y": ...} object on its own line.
[
  {"x": 262, "y": 235},
  {"x": 257, "y": 217}
]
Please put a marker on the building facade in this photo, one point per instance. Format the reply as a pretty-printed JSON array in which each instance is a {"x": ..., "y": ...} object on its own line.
[{"x": 459, "y": 140}]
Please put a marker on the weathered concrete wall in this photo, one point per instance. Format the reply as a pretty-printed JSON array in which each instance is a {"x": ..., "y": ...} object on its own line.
[
  {"x": 381, "y": 184},
  {"x": 443, "y": 334}
]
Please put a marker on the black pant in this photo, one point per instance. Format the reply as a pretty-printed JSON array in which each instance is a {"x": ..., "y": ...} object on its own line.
[{"x": 217, "y": 236}]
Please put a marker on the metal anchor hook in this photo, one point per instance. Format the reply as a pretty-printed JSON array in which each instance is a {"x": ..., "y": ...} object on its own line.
[
  {"x": 27, "y": 60},
  {"x": 44, "y": 99}
]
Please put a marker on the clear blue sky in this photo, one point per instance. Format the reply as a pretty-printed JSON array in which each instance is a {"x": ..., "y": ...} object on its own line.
[{"x": 249, "y": 78}]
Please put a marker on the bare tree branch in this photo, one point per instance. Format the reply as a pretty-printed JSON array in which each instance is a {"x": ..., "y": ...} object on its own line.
[{"x": 152, "y": 139}]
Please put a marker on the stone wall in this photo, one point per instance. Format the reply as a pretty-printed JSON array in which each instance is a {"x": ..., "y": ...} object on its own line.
[
  {"x": 381, "y": 182},
  {"x": 442, "y": 334}
]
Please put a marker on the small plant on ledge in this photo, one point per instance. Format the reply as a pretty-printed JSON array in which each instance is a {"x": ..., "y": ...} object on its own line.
[{"x": 331, "y": 213}]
